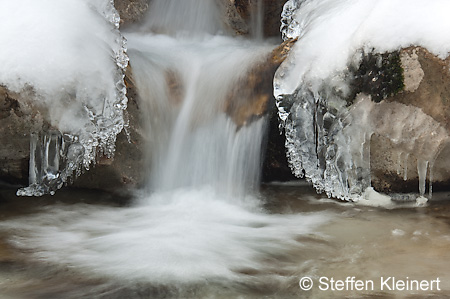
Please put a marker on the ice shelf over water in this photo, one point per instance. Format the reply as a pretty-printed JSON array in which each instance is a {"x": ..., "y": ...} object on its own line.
[
  {"x": 328, "y": 141},
  {"x": 69, "y": 57}
]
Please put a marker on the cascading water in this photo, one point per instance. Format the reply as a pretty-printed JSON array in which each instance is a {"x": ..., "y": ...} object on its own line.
[
  {"x": 257, "y": 18},
  {"x": 191, "y": 140},
  {"x": 199, "y": 219}
]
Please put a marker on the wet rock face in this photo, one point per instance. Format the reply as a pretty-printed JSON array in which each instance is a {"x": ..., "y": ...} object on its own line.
[
  {"x": 426, "y": 80},
  {"x": 232, "y": 19}
]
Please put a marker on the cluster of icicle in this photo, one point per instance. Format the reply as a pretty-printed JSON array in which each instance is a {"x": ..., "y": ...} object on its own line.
[
  {"x": 328, "y": 141},
  {"x": 56, "y": 157}
]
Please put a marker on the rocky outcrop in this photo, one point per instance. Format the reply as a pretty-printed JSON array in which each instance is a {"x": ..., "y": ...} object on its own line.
[
  {"x": 233, "y": 21},
  {"x": 252, "y": 97},
  {"x": 131, "y": 11}
]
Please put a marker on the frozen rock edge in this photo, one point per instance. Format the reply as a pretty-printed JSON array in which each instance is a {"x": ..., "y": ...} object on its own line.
[
  {"x": 58, "y": 157},
  {"x": 328, "y": 134}
]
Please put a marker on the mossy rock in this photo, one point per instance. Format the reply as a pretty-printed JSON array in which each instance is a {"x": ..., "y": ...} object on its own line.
[{"x": 379, "y": 75}]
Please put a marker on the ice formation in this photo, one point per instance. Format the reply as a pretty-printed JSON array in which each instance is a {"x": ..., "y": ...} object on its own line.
[
  {"x": 328, "y": 138},
  {"x": 54, "y": 160},
  {"x": 70, "y": 57}
]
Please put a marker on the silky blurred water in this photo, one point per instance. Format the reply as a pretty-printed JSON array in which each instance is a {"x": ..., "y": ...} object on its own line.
[{"x": 97, "y": 245}]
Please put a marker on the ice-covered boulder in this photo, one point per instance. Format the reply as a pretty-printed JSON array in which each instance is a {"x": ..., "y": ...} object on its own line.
[
  {"x": 66, "y": 59},
  {"x": 355, "y": 99},
  {"x": 427, "y": 92}
]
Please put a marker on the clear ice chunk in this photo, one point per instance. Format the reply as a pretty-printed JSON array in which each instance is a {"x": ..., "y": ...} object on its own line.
[{"x": 54, "y": 159}]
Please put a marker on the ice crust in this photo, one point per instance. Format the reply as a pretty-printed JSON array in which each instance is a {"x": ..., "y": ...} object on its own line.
[
  {"x": 69, "y": 57},
  {"x": 328, "y": 141}
]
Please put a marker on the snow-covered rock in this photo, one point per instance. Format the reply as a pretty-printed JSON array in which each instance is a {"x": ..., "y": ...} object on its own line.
[{"x": 350, "y": 99}]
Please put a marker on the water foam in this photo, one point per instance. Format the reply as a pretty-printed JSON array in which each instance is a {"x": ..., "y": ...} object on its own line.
[{"x": 180, "y": 236}]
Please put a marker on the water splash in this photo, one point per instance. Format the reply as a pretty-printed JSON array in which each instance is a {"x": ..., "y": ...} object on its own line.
[{"x": 185, "y": 236}]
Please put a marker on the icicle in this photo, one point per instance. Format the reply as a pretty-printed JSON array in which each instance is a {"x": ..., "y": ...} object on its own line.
[
  {"x": 405, "y": 167},
  {"x": 32, "y": 166},
  {"x": 430, "y": 188},
  {"x": 422, "y": 167},
  {"x": 399, "y": 163},
  {"x": 53, "y": 161}
]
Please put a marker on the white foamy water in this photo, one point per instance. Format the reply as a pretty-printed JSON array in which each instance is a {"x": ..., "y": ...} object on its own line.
[{"x": 181, "y": 236}]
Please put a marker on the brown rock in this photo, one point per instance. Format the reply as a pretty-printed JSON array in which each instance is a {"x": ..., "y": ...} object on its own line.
[
  {"x": 253, "y": 97},
  {"x": 131, "y": 11},
  {"x": 232, "y": 19}
]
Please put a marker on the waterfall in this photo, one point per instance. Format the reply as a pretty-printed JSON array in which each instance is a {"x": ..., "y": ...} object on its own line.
[
  {"x": 200, "y": 219},
  {"x": 191, "y": 141},
  {"x": 185, "y": 79},
  {"x": 183, "y": 17},
  {"x": 257, "y": 19}
]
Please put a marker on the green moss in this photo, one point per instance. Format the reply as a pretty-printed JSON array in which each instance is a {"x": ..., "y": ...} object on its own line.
[{"x": 379, "y": 75}]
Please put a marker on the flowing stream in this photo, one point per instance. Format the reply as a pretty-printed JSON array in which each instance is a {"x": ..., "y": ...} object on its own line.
[
  {"x": 202, "y": 228},
  {"x": 81, "y": 244}
]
